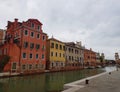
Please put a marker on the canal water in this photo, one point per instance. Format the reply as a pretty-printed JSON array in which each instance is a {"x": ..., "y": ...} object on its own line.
[{"x": 48, "y": 82}]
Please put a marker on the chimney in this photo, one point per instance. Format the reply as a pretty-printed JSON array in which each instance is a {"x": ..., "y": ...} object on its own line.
[
  {"x": 90, "y": 49},
  {"x": 15, "y": 22}
]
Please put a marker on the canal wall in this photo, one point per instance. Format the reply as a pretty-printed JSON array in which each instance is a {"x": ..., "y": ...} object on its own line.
[{"x": 8, "y": 74}]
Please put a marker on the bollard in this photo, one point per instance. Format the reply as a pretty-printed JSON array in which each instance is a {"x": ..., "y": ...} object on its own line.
[
  {"x": 117, "y": 69},
  {"x": 86, "y": 81},
  {"x": 109, "y": 72}
]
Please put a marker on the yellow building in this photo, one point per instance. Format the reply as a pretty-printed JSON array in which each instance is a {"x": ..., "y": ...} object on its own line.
[{"x": 55, "y": 54}]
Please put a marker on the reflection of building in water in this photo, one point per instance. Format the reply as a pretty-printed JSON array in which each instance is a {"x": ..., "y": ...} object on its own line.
[{"x": 53, "y": 85}]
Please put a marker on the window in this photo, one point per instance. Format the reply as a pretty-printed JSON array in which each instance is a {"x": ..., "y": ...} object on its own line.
[
  {"x": 38, "y": 35},
  {"x": 37, "y": 46},
  {"x": 31, "y": 45},
  {"x": 36, "y": 56},
  {"x": 72, "y": 50},
  {"x": 43, "y": 47},
  {"x": 56, "y": 54},
  {"x": 75, "y": 51},
  {"x": 38, "y": 27},
  {"x": 56, "y": 63},
  {"x": 26, "y": 32},
  {"x": 32, "y": 25},
  {"x": 61, "y": 64},
  {"x": 60, "y": 47},
  {"x": 52, "y": 45},
  {"x": 23, "y": 67},
  {"x": 63, "y": 55},
  {"x": 25, "y": 44},
  {"x": 60, "y": 54},
  {"x": 70, "y": 58},
  {"x": 24, "y": 55},
  {"x": 31, "y": 56},
  {"x": 51, "y": 53},
  {"x": 43, "y": 56},
  {"x": 32, "y": 34},
  {"x": 56, "y": 46},
  {"x": 64, "y": 48},
  {"x": 69, "y": 50},
  {"x": 36, "y": 66},
  {"x": 14, "y": 65},
  {"x": 52, "y": 64},
  {"x": 30, "y": 66},
  {"x": 43, "y": 37}
]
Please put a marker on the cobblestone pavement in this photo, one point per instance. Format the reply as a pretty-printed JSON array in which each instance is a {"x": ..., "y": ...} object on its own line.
[{"x": 105, "y": 83}]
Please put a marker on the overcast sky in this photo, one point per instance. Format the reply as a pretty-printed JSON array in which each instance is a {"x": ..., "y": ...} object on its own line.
[{"x": 94, "y": 22}]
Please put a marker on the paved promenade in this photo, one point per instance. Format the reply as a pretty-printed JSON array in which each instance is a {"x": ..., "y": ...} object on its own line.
[{"x": 104, "y": 82}]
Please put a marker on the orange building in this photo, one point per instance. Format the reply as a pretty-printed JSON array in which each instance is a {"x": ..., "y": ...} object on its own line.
[
  {"x": 89, "y": 57},
  {"x": 26, "y": 45}
]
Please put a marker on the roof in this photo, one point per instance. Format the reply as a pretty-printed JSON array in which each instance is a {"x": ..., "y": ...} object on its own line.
[
  {"x": 35, "y": 21},
  {"x": 89, "y": 50},
  {"x": 55, "y": 40}
]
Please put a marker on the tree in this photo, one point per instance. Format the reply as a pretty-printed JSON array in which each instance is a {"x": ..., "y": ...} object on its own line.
[{"x": 3, "y": 62}]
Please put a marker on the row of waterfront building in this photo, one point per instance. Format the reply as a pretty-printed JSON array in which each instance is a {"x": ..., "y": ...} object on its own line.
[{"x": 25, "y": 48}]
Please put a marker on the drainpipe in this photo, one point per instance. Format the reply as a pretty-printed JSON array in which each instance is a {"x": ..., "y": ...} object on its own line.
[{"x": 20, "y": 50}]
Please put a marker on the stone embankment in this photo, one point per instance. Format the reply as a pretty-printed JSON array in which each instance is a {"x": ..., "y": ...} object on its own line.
[{"x": 104, "y": 82}]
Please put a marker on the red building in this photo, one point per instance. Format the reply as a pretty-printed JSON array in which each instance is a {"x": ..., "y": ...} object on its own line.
[
  {"x": 89, "y": 57},
  {"x": 25, "y": 43},
  {"x": 2, "y": 36}
]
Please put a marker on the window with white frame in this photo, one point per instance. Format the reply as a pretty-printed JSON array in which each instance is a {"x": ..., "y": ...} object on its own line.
[
  {"x": 25, "y": 45},
  {"x": 26, "y": 32},
  {"x": 37, "y": 56},
  {"x": 37, "y": 46},
  {"x": 43, "y": 56},
  {"x": 14, "y": 65},
  {"x": 32, "y": 34},
  {"x": 30, "y": 66},
  {"x": 38, "y": 35},
  {"x": 32, "y": 25},
  {"x": 51, "y": 53},
  {"x": 43, "y": 37},
  {"x": 23, "y": 67},
  {"x": 31, "y": 45},
  {"x": 38, "y": 27},
  {"x": 24, "y": 55}
]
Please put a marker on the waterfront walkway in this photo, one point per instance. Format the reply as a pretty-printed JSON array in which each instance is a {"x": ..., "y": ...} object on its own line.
[{"x": 104, "y": 82}]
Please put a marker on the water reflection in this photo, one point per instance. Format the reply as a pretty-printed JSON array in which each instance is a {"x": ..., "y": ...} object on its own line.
[
  {"x": 50, "y": 82},
  {"x": 110, "y": 68}
]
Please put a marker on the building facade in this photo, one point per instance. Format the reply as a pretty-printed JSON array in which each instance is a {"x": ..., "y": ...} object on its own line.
[
  {"x": 117, "y": 59},
  {"x": 2, "y": 36},
  {"x": 74, "y": 55},
  {"x": 55, "y": 54},
  {"x": 89, "y": 57},
  {"x": 98, "y": 58},
  {"x": 25, "y": 43}
]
